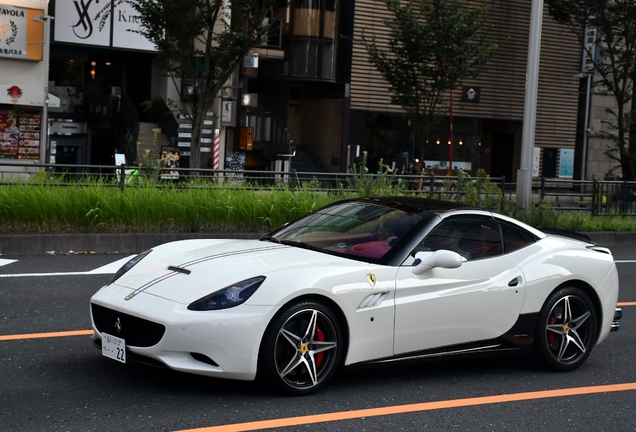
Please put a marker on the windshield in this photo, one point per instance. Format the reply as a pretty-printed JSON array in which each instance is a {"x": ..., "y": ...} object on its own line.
[{"x": 352, "y": 228}]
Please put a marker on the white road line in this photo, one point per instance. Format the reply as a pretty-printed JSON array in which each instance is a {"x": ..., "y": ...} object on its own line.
[
  {"x": 4, "y": 262},
  {"x": 107, "y": 269},
  {"x": 624, "y": 261}
]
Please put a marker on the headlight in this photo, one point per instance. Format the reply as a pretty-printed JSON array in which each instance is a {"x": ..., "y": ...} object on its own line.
[
  {"x": 228, "y": 297},
  {"x": 130, "y": 264}
]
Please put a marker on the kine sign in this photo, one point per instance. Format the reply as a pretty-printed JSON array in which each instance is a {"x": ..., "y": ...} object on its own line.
[{"x": 76, "y": 22}]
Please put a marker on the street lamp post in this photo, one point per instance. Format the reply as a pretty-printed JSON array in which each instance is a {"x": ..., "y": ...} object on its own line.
[{"x": 46, "y": 51}]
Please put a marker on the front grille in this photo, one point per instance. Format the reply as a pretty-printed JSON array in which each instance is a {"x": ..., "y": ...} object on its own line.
[{"x": 137, "y": 332}]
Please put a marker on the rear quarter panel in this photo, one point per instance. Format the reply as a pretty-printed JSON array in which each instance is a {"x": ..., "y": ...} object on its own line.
[{"x": 553, "y": 261}]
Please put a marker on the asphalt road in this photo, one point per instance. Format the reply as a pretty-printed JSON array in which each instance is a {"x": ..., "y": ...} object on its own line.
[{"x": 65, "y": 384}]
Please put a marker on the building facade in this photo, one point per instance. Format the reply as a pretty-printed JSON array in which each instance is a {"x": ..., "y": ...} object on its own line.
[
  {"x": 23, "y": 96},
  {"x": 309, "y": 89},
  {"x": 339, "y": 110}
]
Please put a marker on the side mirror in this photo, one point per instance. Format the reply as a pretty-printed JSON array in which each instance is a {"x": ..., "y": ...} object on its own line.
[{"x": 441, "y": 258}]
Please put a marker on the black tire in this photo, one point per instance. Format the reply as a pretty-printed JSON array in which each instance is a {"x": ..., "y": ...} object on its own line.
[
  {"x": 302, "y": 348},
  {"x": 567, "y": 330}
]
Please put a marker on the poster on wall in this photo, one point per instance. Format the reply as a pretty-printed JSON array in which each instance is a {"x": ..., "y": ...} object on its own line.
[
  {"x": 566, "y": 163},
  {"x": 169, "y": 162},
  {"x": 19, "y": 134},
  {"x": 235, "y": 161}
]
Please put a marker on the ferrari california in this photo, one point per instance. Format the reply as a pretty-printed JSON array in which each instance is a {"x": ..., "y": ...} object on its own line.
[{"x": 361, "y": 281}]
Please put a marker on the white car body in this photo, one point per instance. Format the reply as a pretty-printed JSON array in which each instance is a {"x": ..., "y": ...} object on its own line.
[{"x": 387, "y": 311}]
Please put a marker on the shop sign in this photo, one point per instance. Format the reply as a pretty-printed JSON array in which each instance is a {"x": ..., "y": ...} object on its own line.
[
  {"x": 471, "y": 94},
  {"x": 126, "y": 21},
  {"x": 76, "y": 22},
  {"x": 20, "y": 95},
  {"x": 13, "y": 32}
]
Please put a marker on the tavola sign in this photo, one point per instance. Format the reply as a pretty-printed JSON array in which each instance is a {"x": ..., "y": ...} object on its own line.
[
  {"x": 13, "y": 32},
  {"x": 76, "y": 22}
]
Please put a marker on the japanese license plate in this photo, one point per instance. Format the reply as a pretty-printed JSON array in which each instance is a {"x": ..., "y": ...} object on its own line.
[{"x": 114, "y": 347}]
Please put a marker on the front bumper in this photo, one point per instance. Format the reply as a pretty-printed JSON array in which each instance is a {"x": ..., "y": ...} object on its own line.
[{"x": 223, "y": 343}]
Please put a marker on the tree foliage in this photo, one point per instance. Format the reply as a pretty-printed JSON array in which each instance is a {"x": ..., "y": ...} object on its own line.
[
  {"x": 616, "y": 65},
  {"x": 434, "y": 45},
  {"x": 199, "y": 44}
]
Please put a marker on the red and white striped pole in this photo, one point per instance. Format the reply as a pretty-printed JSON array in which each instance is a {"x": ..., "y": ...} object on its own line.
[{"x": 217, "y": 148}]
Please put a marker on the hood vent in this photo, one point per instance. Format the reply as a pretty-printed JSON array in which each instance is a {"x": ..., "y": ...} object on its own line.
[{"x": 179, "y": 270}]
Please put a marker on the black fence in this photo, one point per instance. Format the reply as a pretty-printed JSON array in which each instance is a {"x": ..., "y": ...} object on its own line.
[
  {"x": 601, "y": 198},
  {"x": 597, "y": 197}
]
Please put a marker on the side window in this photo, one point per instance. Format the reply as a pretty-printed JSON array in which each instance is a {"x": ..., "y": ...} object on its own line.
[
  {"x": 472, "y": 238},
  {"x": 515, "y": 238}
]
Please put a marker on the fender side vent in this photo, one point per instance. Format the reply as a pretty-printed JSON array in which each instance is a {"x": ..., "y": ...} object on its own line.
[{"x": 373, "y": 300}]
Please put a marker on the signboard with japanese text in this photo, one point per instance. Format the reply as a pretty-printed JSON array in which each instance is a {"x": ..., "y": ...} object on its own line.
[
  {"x": 13, "y": 31},
  {"x": 536, "y": 158},
  {"x": 20, "y": 35},
  {"x": 590, "y": 42}
]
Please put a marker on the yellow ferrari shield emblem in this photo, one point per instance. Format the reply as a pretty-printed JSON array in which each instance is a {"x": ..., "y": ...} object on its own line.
[{"x": 371, "y": 279}]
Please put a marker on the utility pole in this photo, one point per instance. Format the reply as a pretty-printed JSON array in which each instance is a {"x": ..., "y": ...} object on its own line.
[{"x": 524, "y": 174}]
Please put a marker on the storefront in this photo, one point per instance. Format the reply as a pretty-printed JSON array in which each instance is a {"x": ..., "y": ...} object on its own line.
[
  {"x": 23, "y": 92},
  {"x": 101, "y": 76}
]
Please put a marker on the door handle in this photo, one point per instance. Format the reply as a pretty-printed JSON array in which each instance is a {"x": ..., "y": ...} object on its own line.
[{"x": 514, "y": 282}]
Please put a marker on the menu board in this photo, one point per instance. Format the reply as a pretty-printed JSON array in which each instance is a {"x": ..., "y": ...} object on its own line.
[{"x": 20, "y": 134}]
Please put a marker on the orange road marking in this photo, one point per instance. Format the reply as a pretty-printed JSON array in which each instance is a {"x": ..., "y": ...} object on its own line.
[
  {"x": 626, "y": 304},
  {"x": 402, "y": 409},
  {"x": 46, "y": 335}
]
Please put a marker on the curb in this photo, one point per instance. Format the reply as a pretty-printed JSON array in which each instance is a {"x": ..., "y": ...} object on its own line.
[
  {"x": 613, "y": 238},
  {"x": 35, "y": 244}
]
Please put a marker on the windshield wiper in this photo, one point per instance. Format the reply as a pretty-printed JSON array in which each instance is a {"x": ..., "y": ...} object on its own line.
[{"x": 270, "y": 238}]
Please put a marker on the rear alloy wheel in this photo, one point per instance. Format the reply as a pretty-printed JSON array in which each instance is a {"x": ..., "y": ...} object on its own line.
[
  {"x": 567, "y": 330},
  {"x": 302, "y": 349}
]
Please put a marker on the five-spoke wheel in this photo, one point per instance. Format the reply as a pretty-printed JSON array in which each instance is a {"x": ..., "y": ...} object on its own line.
[
  {"x": 302, "y": 348},
  {"x": 567, "y": 330}
]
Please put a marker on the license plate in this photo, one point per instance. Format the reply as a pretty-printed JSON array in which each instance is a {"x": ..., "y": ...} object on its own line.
[{"x": 114, "y": 347}]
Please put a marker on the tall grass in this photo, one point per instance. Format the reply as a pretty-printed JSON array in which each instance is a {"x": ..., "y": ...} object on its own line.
[
  {"x": 42, "y": 207},
  {"x": 97, "y": 208}
]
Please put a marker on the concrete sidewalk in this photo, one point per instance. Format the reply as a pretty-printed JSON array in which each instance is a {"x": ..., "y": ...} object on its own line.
[{"x": 35, "y": 244}]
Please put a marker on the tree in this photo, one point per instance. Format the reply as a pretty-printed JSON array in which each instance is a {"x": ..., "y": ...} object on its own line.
[
  {"x": 615, "y": 20},
  {"x": 199, "y": 44},
  {"x": 433, "y": 46}
]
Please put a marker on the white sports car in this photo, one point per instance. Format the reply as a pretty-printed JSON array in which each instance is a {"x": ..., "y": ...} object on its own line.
[{"x": 366, "y": 280}]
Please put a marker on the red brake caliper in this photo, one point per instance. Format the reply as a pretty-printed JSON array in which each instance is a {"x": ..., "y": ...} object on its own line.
[
  {"x": 552, "y": 320},
  {"x": 319, "y": 336}
]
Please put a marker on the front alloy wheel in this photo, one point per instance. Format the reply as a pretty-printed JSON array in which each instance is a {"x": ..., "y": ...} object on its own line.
[
  {"x": 302, "y": 348},
  {"x": 567, "y": 330}
]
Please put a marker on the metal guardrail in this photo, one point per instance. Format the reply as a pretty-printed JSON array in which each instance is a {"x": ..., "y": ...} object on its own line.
[{"x": 597, "y": 197}]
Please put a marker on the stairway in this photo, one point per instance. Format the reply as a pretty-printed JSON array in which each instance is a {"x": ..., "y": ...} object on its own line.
[{"x": 306, "y": 162}]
